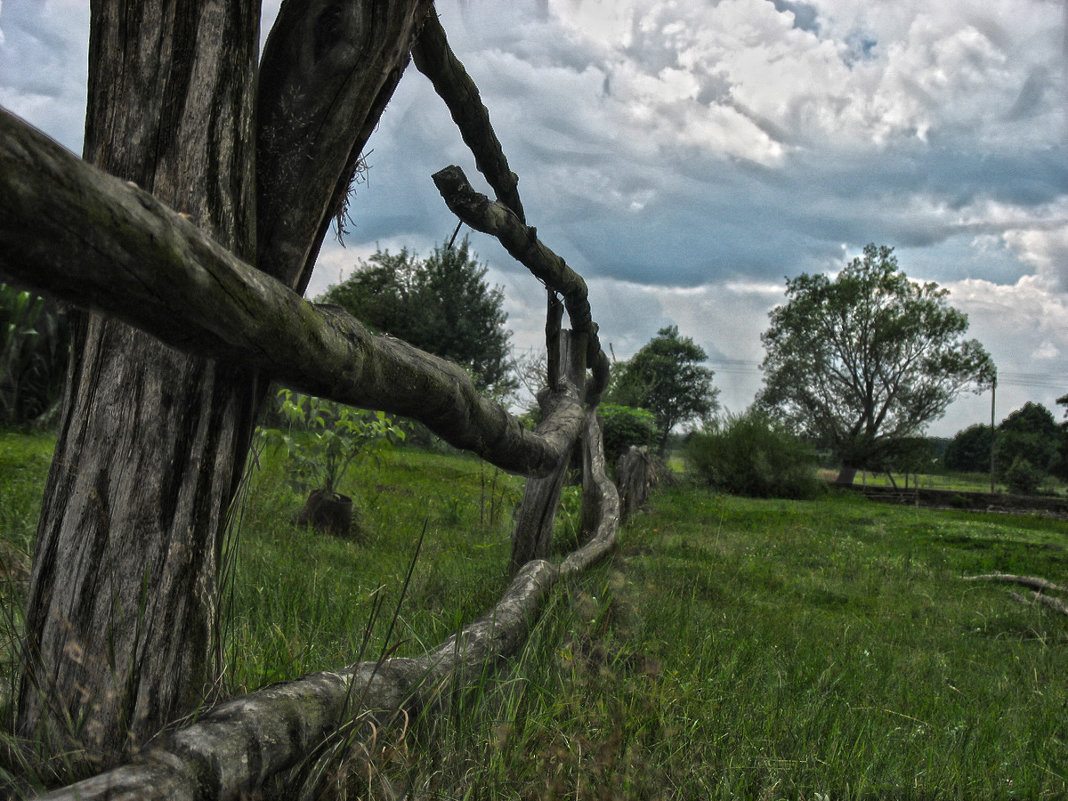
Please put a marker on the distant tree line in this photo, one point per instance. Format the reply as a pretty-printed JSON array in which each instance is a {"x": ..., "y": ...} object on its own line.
[{"x": 1029, "y": 445}]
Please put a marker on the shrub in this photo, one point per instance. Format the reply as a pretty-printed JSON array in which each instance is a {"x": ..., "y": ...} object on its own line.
[
  {"x": 623, "y": 426},
  {"x": 1023, "y": 477},
  {"x": 1023, "y": 459},
  {"x": 750, "y": 454}
]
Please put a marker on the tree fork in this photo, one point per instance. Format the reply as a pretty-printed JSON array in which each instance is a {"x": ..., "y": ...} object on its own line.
[{"x": 176, "y": 118}]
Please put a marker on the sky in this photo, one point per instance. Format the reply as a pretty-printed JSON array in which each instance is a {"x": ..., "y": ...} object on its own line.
[{"x": 686, "y": 157}]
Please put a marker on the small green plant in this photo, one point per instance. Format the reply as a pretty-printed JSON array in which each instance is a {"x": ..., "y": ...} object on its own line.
[{"x": 324, "y": 438}]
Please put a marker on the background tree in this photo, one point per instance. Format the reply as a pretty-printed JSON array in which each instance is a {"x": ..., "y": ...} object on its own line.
[
  {"x": 1027, "y": 448},
  {"x": 867, "y": 358},
  {"x": 969, "y": 450},
  {"x": 666, "y": 377},
  {"x": 442, "y": 305}
]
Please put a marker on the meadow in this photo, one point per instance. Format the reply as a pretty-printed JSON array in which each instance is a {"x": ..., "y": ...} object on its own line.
[{"x": 731, "y": 648}]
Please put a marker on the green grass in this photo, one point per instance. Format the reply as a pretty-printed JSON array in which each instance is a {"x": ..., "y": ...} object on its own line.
[
  {"x": 732, "y": 648},
  {"x": 968, "y": 482},
  {"x": 302, "y": 600},
  {"x": 766, "y": 649}
]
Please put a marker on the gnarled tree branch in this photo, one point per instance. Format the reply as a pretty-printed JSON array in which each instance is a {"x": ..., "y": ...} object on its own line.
[
  {"x": 522, "y": 242},
  {"x": 1031, "y": 582},
  {"x": 434, "y": 58}
]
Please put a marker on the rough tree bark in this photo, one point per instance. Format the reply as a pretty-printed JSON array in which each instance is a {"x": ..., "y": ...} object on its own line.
[
  {"x": 152, "y": 442},
  {"x": 634, "y": 476}
]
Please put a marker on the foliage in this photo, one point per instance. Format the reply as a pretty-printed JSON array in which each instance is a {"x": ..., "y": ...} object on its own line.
[
  {"x": 867, "y": 358},
  {"x": 441, "y": 304},
  {"x": 1027, "y": 448},
  {"x": 34, "y": 343},
  {"x": 1023, "y": 477},
  {"x": 324, "y": 438},
  {"x": 908, "y": 455},
  {"x": 666, "y": 377},
  {"x": 969, "y": 450},
  {"x": 751, "y": 454},
  {"x": 623, "y": 426}
]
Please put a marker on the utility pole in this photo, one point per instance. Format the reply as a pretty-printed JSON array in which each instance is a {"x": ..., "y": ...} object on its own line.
[{"x": 993, "y": 393}]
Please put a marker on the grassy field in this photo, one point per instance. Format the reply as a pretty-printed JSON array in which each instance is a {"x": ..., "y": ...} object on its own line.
[{"x": 732, "y": 648}]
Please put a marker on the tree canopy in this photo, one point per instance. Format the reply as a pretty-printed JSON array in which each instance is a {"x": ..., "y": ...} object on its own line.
[
  {"x": 441, "y": 304},
  {"x": 666, "y": 378},
  {"x": 1028, "y": 447},
  {"x": 867, "y": 358},
  {"x": 969, "y": 450}
]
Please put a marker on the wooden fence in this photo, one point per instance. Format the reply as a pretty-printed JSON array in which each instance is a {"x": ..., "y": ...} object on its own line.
[{"x": 103, "y": 244}]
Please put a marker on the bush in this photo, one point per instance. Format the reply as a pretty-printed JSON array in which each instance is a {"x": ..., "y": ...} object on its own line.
[
  {"x": 751, "y": 454},
  {"x": 1023, "y": 459},
  {"x": 1023, "y": 477},
  {"x": 623, "y": 426}
]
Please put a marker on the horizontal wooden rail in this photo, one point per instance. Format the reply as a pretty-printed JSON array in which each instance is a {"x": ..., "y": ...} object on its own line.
[{"x": 69, "y": 229}]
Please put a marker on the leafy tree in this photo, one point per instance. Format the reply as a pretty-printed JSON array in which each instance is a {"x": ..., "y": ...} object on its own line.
[
  {"x": 441, "y": 304},
  {"x": 969, "y": 450},
  {"x": 1027, "y": 447},
  {"x": 666, "y": 377},
  {"x": 867, "y": 358}
]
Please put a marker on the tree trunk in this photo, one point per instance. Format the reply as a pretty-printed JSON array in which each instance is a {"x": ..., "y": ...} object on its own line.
[
  {"x": 846, "y": 475},
  {"x": 152, "y": 442}
]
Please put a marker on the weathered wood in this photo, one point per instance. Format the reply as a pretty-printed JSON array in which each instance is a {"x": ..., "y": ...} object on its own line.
[
  {"x": 604, "y": 534},
  {"x": 84, "y": 236},
  {"x": 1031, "y": 582},
  {"x": 532, "y": 533},
  {"x": 434, "y": 58},
  {"x": 634, "y": 476},
  {"x": 521, "y": 241},
  {"x": 1056, "y": 604},
  {"x": 170, "y": 108},
  {"x": 122, "y": 599},
  {"x": 327, "y": 72}
]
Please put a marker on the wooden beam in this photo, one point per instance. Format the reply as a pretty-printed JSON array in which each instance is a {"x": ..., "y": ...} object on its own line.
[{"x": 75, "y": 232}]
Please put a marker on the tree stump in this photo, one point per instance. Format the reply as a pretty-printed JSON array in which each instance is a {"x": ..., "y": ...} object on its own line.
[
  {"x": 634, "y": 476},
  {"x": 328, "y": 512}
]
